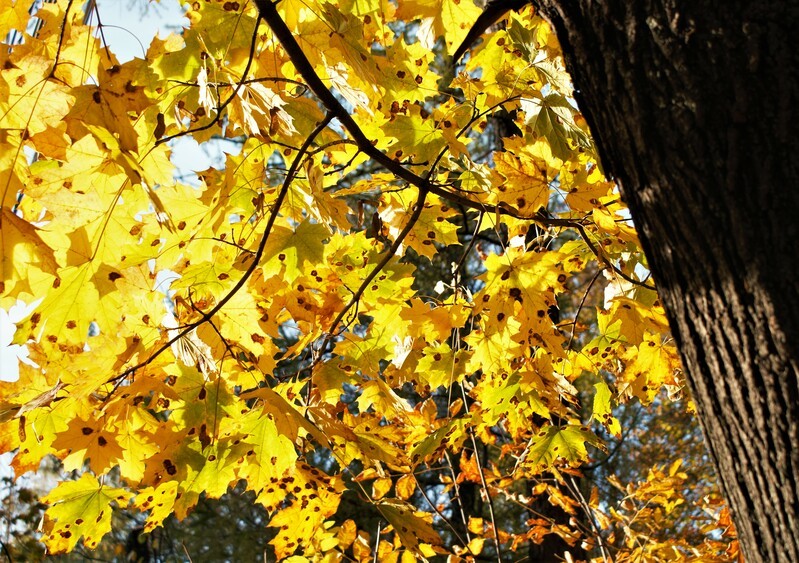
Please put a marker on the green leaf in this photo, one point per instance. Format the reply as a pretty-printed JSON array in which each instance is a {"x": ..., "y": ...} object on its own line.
[
  {"x": 552, "y": 116},
  {"x": 559, "y": 445}
]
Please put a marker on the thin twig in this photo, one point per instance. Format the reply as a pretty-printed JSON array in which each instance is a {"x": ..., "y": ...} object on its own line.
[
  {"x": 485, "y": 488},
  {"x": 377, "y": 539},
  {"x": 417, "y": 211},
  {"x": 458, "y": 496},
  {"x": 576, "y": 492},
  {"x": 441, "y": 515},
  {"x": 61, "y": 38},
  {"x": 246, "y": 82},
  {"x": 605, "y": 260},
  {"x": 6, "y": 552},
  {"x": 186, "y": 551},
  {"x": 456, "y": 271},
  {"x": 91, "y": 8},
  {"x": 580, "y": 308}
]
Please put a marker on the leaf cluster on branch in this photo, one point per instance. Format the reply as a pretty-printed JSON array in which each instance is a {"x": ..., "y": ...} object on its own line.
[{"x": 274, "y": 325}]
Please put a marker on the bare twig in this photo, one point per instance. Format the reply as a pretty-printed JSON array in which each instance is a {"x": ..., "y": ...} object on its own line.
[
  {"x": 246, "y": 82},
  {"x": 377, "y": 540},
  {"x": 580, "y": 308},
  {"x": 577, "y": 493},
  {"x": 186, "y": 551},
  {"x": 484, "y": 484},
  {"x": 457, "y": 495},
  {"x": 440, "y": 515},
  {"x": 417, "y": 211},
  {"x": 606, "y": 261},
  {"x": 61, "y": 38}
]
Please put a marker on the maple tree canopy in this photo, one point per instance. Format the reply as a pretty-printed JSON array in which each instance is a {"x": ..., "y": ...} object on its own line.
[{"x": 175, "y": 338}]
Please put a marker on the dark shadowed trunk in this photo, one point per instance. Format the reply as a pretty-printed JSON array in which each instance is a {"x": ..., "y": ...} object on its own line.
[{"x": 693, "y": 105}]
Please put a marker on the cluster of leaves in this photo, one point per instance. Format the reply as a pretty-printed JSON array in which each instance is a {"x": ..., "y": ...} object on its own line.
[{"x": 296, "y": 353}]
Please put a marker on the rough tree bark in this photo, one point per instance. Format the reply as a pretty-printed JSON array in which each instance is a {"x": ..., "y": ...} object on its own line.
[{"x": 693, "y": 104}]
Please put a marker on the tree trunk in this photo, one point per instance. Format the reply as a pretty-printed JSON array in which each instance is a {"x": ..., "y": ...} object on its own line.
[{"x": 693, "y": 106}]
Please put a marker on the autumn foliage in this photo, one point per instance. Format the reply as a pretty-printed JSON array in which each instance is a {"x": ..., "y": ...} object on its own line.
[{"x": 271, "y": 323}]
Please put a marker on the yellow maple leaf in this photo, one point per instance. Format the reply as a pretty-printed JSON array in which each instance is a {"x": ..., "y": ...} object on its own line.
[
  {"x": 14, "y": 16},
  {"x": 88, "y": 439},
  {"x": 78, "y": 509},
  {"x": 159, "y": 500},
  {"x": 27, "y": 262},
  {"x": 527, "y": 185},
  {"x": 312, "y": 498},
  {"x": 405, "y": 486},
  {"x": 649, "y": 366},
  {"x": 290, "y": 251},
  {"x": 36, "y": 432},
  {"x": 119, "y": 94},
  {"x": 418, "y": 136},
  {"x": 30, "y": 100},
  {"x": 448, "y": 18},
  {"x": 271, "y": 454},
  {"x": 413, "y": 527},
  {"x": 602, "y": 410}
]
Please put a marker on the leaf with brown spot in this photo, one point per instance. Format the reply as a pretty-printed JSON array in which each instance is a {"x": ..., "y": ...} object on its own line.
[
  {"x": 78, "y": 509},
  {"x": 412, "y": 527}
]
